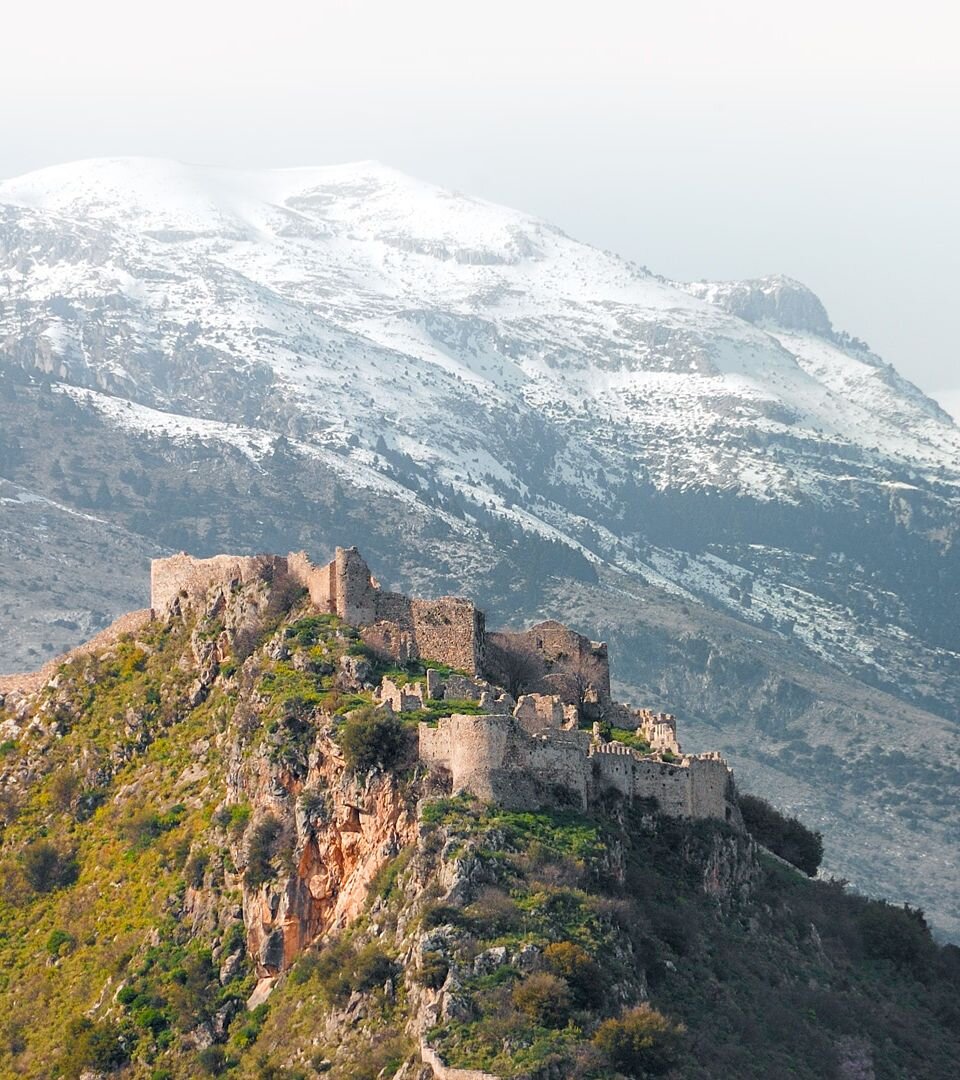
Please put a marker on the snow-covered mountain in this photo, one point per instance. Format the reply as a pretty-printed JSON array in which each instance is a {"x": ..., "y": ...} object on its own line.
[
  {"x": 525, "y": 404},
  {"x": 355, "y": 308}
]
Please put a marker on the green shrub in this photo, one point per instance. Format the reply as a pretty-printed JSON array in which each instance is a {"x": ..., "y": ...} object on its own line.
[
  {"x": 46, "y": 868},
  {"x": 315, "y": 805},
  {"x": 642, "y": 1042},
  {"x": 372, "y": 968},
  {"x": 371, "y": 738},
  {"x": 145, "y": 826},
  {"x": 261, "y": 849},
  {"x": 64, "y": 790},
  {"x": 195, "y": 868},
  {"x": 784, "y": 836},
  {"x": 435, "y": 915},
  {"x": 60, "y": 942},
  {"x": 304, "y": 969},
  {"x": 233, "y": 818},
  {"x": 574, "y": 964},
  {"x": 250, "y": 1027},
  {"x": 433, "y": 970},
  {"x": 92, "y": 1045},
  {"x": 900, "y": 935},
  {"x": 213, "y": 1060},
  {"x": 544, "y": 998}
]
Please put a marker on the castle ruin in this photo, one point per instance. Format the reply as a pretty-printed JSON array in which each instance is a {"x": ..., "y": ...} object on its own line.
[
  {"x": 537, "y": 755},
  {"x": 449, "y": 630},
  {"x": 552, "y": 746}
]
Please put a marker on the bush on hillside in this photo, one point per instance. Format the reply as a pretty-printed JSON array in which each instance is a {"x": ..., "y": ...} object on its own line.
[
  {"x": 544, "y": 998},
  {"x": 46, "y": 868},
  {"x": 574, "y": 964},
  {"x": 261, "y": 849},
  {"x": 898, "y": 934},
  {"x": 642, "y": 1042},
  {"x": 371, "y": 738},
  {"x": 784, "y": 836},
  {"x": 92, "y": 1045}
]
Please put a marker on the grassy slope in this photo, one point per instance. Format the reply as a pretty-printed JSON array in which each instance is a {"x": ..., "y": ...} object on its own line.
[{"x": 792, "y": 979}]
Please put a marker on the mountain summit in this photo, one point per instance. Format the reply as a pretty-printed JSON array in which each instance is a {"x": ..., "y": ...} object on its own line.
[{"x": 752, "y": 507}]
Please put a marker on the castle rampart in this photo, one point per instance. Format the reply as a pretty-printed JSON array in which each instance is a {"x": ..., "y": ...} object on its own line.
[
  {"x": 529, "y": 760},
  {"x": 449, "y": 630}
]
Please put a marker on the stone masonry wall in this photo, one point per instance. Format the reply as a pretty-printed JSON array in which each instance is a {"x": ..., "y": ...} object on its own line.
[
  {"x": 709, "y": 786},
  {"x": 183, "y": 577},
  {"x": 355, "y": 591},
  {"x": 496, "y": 759},
  {"x": 449, "y": 630}
]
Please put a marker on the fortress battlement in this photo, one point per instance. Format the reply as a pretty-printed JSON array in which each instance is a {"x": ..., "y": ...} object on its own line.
[
  {"x": 525, "y": 753},
  {"x": 449, "y": 630}
]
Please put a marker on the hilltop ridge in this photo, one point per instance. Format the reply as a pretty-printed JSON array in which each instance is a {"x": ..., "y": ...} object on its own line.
[{"x": 247, "y": 837}]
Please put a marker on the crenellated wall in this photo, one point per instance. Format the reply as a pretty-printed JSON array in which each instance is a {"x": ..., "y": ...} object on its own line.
[{"x": 527, "y": 762}]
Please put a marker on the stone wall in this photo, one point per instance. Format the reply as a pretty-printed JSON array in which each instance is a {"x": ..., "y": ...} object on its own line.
[
  {"x": 569, "y": 661},
  {"x": 449, "y": 630},
  {"x": 320, "y": 581},
  {"x": 355, "y": 591},
  {"x": 529, "y": 761},
  {"x": 711, "y": 785},
  {"x": 182, "y": 577},
  {"x": 447, "y": 1072}
]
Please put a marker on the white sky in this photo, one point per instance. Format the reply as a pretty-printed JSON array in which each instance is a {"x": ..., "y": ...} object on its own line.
[{"x": 703, "y": 139}]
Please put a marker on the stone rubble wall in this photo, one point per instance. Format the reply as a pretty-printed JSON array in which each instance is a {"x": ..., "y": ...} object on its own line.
[
  {"x": 449, "y": 630},
  {"x": 182, "y": 577},
  {"x": 446, "y": 1072}
]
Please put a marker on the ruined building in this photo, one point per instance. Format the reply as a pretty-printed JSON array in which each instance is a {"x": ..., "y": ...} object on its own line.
[
  {"x": 547, "y": 748},
  {"x": 449, "y": 630}
]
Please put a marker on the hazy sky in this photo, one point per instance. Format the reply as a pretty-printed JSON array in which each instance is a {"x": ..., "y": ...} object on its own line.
[{"x": 703, "y": 139}]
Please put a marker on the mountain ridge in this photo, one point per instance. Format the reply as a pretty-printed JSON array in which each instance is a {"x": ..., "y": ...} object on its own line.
[{"x": 375, "y": 356}]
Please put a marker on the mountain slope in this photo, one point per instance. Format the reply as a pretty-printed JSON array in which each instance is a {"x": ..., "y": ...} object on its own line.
[
  {"x": 267, "y": 361},
  {"x": 206, "y": 873}
]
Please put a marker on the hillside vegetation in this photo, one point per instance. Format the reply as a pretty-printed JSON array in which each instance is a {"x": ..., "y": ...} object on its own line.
[{"x": 212, "y": 809}]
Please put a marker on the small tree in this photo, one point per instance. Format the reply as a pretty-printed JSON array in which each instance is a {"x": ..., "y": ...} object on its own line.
[
  {"x": 372, "y": 738},
  {"x": 544, "y": 998},
  {"x": 45, "y": 868},
  {"x": 642, "y": 1042},
  {"x": 582, "y": 673},
  {"x": 784, "y": 836},
  {"x": 92, "y": 1045},
  {"x": 573, "y": 963},
  {"x": 261, "y": 848}
]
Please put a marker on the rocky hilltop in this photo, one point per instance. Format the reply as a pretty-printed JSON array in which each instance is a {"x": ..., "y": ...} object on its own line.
[{"x": 266, "y": 828}]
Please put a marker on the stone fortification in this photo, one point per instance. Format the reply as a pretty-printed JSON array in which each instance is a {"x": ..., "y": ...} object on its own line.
[
  {"x": 553, "y": 659},
  {"x": 449, "y": 630},
  {"x": 570, "y": 656},
  {"x": 538, "y": 756},
  {"x": 182, "y": 579}
]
